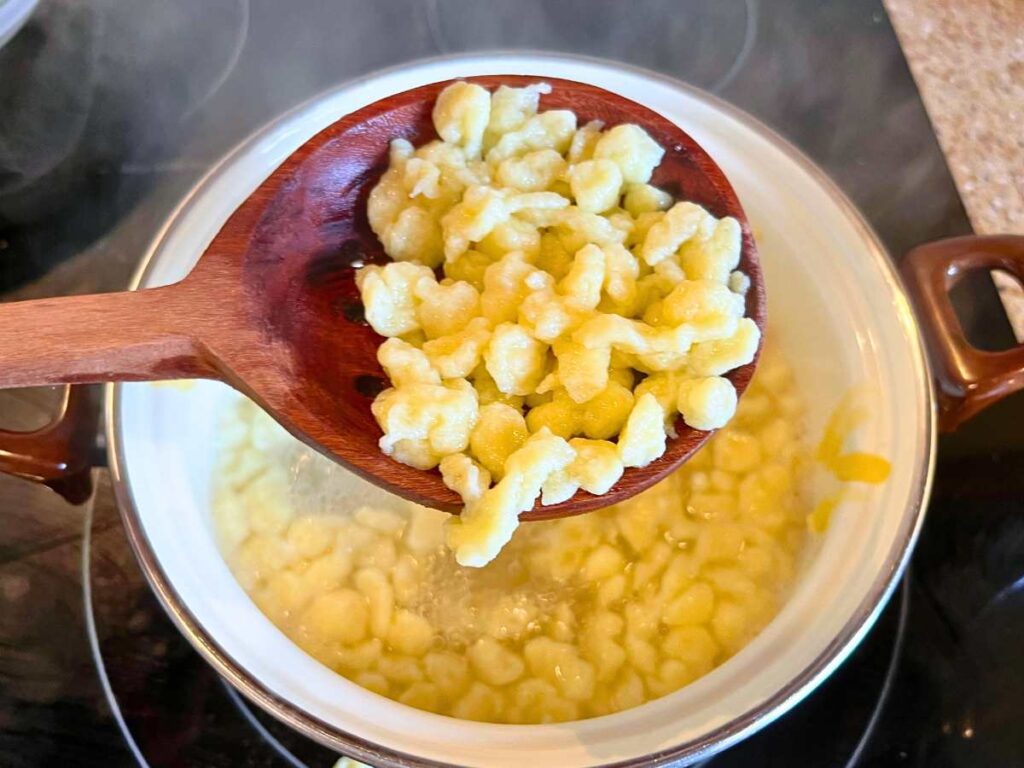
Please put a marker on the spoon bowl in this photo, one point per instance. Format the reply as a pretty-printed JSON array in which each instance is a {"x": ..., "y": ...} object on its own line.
[{"x": 272, "y": 308}]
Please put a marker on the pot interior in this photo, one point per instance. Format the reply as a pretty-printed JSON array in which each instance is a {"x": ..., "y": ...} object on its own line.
[{"x": 835, "y": 311}]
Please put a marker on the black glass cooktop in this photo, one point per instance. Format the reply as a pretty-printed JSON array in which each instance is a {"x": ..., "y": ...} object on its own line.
[{"x": 110, "y": 111}]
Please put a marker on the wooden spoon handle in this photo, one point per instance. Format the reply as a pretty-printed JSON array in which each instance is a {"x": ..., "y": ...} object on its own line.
[{"x": 131, "y": 336}]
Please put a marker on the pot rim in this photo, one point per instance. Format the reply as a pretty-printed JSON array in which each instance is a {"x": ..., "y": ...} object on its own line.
[{"x": 774, "y": 706}]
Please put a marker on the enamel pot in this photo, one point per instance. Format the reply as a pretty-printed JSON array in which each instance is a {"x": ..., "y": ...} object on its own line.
[{"x": 840, "y": 313}]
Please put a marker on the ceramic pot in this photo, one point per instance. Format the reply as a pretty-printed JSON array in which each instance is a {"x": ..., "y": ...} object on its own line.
[{"x": 837, "y": 310}]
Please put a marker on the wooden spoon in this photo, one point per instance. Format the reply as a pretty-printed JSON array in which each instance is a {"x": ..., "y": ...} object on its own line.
[{"x": 272, "y": 308}]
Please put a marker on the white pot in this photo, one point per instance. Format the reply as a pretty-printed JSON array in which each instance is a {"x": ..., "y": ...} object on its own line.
[
  {"x": 840, "y": 317},
  {"x": 837, "y": 312}
]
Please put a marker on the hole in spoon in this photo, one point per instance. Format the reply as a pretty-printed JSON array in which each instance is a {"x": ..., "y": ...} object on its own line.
[
  {"x": 369, "y": 386},
  {"x": 353, "y": 311}
]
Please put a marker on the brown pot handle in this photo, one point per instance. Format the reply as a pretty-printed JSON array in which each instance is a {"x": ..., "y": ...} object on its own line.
[
  {"x": 969, "y": 379},
  {"x": 57, "y": 455}
]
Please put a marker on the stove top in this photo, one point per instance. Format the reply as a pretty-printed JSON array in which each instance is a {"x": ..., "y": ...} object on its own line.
[{"x": 151, "y": 94}]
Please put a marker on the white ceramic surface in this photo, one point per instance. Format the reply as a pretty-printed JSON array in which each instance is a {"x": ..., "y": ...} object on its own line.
[{"x": 834, "y": 307}]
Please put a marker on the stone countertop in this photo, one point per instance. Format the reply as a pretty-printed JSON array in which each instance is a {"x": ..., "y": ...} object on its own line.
[{"x": 968, "y": 62}]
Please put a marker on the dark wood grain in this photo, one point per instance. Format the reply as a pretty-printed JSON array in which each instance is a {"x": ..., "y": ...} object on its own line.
[{"x": 272, "y": 307}]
